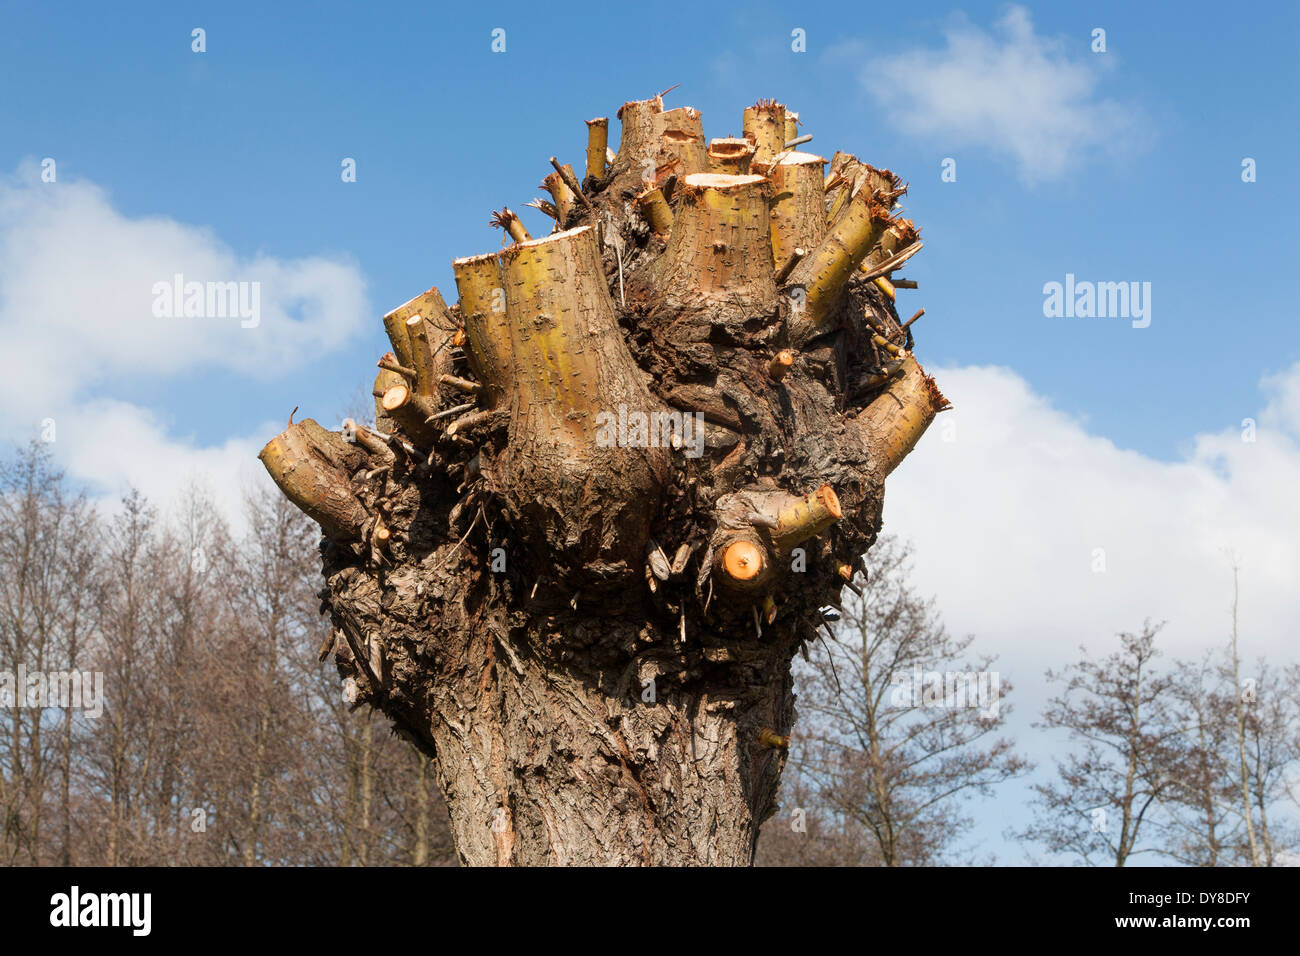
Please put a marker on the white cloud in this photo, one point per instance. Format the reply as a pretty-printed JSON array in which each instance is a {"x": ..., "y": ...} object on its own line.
[
  {"x": 1006, "y": 516},
  {"x": 77, "y": 284},
  {"x": 1010, "y": 90},
  {"x": 118, "y": 446}
]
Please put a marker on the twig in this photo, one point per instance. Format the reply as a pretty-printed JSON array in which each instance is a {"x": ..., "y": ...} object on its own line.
[
  {"x": 399, "y": 369},
  {"x": 571, "y": 183},
  {"x": 466, "y": 535},
  {"x": 831, "y": 658},
  {"x": 448, "y": 412},
  {"x": 784, "y": 272}
]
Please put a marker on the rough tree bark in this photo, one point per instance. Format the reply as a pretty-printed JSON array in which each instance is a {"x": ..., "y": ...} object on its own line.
[{"x": 580, "y": 605}]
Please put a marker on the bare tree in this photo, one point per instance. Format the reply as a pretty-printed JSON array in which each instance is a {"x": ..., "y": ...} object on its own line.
[
  {"x": 1204, "y": 825},
  {"x": 806, "y": 831},
  {"x": 1120, "y": 714},
  {"x": 47, "y": 583},
  {"x": 1270, "y": 724},
  {"x": 192, "y": 630},
  {"x": 896, "y": 728},
  {"x": 1239, "y": 711}
]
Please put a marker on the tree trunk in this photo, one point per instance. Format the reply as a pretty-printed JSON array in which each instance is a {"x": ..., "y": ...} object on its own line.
[{"x": 609, "y": 492}]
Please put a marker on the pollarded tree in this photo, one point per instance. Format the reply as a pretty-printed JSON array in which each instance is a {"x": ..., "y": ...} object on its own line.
[{"x": 609, "y": 490}]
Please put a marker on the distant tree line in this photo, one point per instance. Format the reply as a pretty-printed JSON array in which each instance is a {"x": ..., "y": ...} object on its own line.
[
  {"x": 221, "y": 739},
  {"x": 1196, "y": 763}
]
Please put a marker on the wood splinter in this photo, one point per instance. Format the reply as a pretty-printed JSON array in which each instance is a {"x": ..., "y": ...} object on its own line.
[
  {"x": 541, "y": 205},
  {"x": 658, "y": 561}
]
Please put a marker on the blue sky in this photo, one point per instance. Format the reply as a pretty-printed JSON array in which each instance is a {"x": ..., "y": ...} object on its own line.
[
  {"x": 1070, "y": 434},
  {"x": 246, "y": 140}
]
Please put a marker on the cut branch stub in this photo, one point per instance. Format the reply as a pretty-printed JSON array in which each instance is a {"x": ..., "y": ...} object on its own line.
[
  {"x": 429, "y": 360},
  {"x": 756, "y": 527},
  {"x": 312, "y": 467},
  {"x": 731, "y": 156},
  {"x": 431, "y": 306},
  {"x": 656, "y": 210},
  {"x": 395, "y": 326},
  {"x": 798, "y": 213},
  {"x": 849, "y": 176},
  {"x": 565, "y": 198},
  {"x": 487, "y": 329},
  {"x": 681, "y": 135},
  {"x": 639, "y": 141},
  {"x": 740, "y": 561},
  {"x": 801, "y": 518},
  {"x": 597, "y": 143},
  {"x": 789, "y": 519},
  {"x": 720, "y": 246},
  {"x": 824, "y": 271},
  {"x": 508, "y": 220},
  {"x": 571, "y": 373},
  {"x": 384, "y": 380},
  {"x": 780, "y": 363},
  {"x": 411, "y": 410},
  {"x": 897, "y": 417},
  {"x": 653, "y": 138},
  {"x": 375, "y": 446},
  {"x": 764, "y": 123}
]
